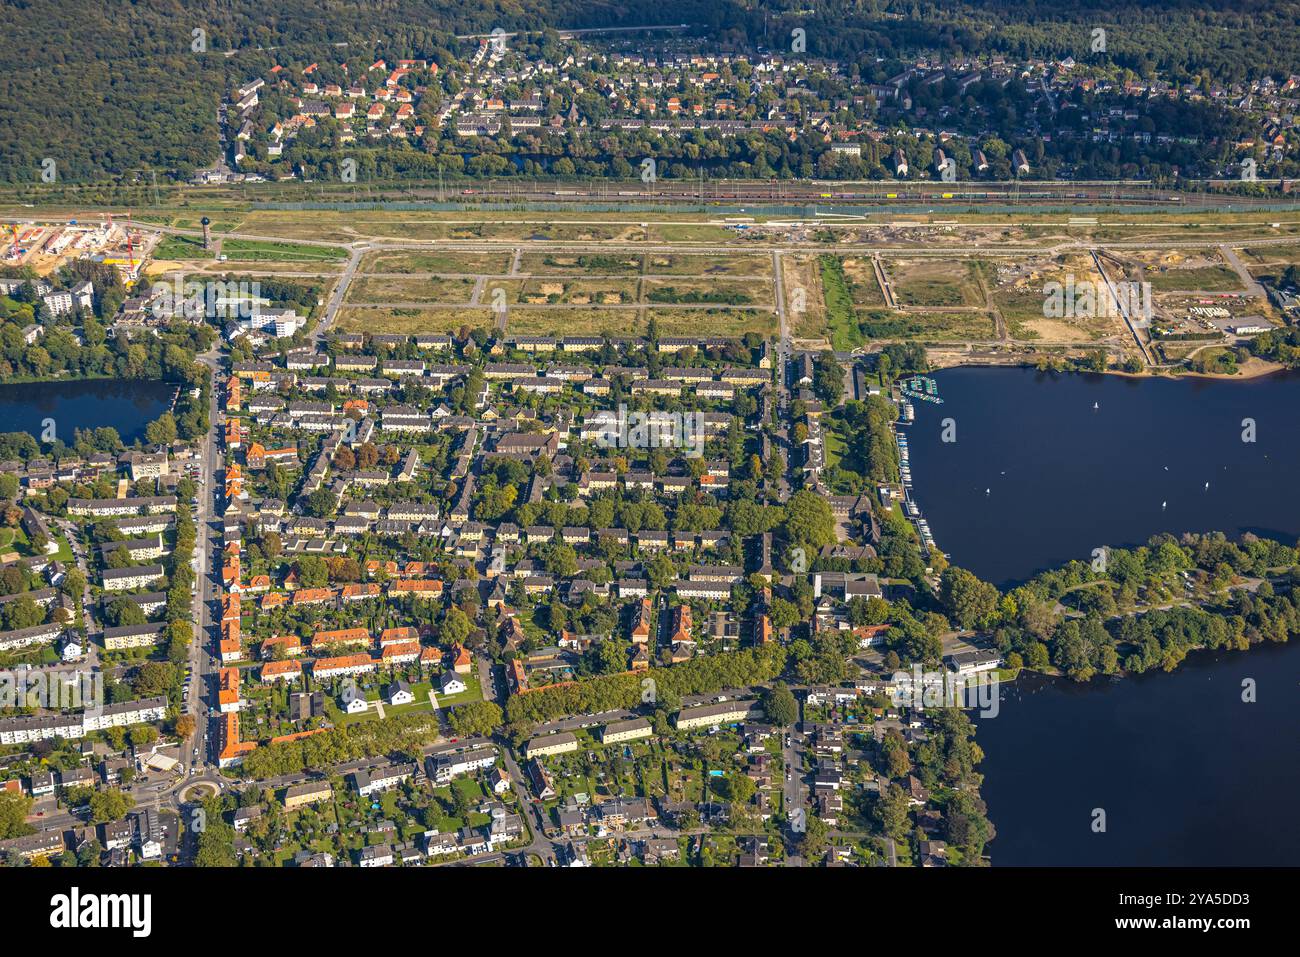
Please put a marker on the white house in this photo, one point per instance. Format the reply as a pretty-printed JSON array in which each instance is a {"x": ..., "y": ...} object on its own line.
[
  {"x": 380, "y": 855},
  {"x": 444, "y": 768},
  {"x": 149, "y": 834},
  {"x": 452, "y": 683},
  {"x": 499, "y": 780},
  {"x": 967, "y": 663},
  {"x": 399, "y": 693}
]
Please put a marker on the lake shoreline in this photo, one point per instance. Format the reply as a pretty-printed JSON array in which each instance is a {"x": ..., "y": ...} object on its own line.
[
  {"x": 85, "y": 403},
  {"x": 1020, "y": 471},
  {"x": 1253, "y": 368},
  {"x": 1123, "y": 674},
  {"x": 1166, "y": 756},
  {"x": 1132, "y": 456}
]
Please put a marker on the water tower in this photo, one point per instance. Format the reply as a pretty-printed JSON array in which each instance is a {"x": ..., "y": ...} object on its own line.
[{"x": 207, "y": 232}]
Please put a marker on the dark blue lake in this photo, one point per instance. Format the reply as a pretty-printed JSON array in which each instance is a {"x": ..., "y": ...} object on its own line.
[
  {"x": 1038, "y": 475},
  {"x": 1186, "y": 772},
  {"x": 126, "y": 405}
]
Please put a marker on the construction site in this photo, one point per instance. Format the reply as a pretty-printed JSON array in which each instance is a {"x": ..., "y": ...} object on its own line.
[{"x": 45, "y": 248}]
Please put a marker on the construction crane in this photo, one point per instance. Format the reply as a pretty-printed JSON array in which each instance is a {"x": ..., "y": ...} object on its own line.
[{"x": 130, "y": 247}]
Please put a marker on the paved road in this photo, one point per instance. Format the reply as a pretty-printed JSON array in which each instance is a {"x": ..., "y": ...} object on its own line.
[
  {"x": 340, "y": 293},
  {"x": 93, "y": 627},
  {"x": 1122, "y": 302},
  {"x": 1252, "y": 285},
  {"x": 530, "y": 306},
  {"x": 475, "y": 298},
  {"x": 793, "y": 789},
  {"x": 783, "y": 356},
  {"x": 203, "y": 662},
  {"x": 784, "y": 339},
  {"x": 1268, "y": 237},
  {"x": 891, "y": 851},
  {"x": 541, "y": 845}
]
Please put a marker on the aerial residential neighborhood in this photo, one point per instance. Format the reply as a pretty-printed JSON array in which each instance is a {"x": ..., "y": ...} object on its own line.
[
  {"x": 558, "y": 586},
  {"x": 505, "y": 105},
  {"x": 725, "y": 441}
]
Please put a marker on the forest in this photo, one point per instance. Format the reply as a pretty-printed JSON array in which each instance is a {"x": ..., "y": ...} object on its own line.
[
  {"x": 1132, "y": 614},
  {"x": 121, "y": 90},
  {"x": 106, "y": 93},
  {"x": 1183, "y": 39}
]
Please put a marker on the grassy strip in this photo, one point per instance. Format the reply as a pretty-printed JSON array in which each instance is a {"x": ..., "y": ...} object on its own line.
[
  {"x": 250, "y": 250},
  {"x": 837, "y": 292}
]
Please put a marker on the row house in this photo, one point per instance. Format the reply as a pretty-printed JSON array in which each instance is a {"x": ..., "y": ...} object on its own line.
[
  {"x": 26, "y": 637},
  {"x": 129, "y": 579},
  {"x": 137, "y": 549},
  {"x": 343, "y": 637},
  {"x": 704, "y": 590},
  {"x": 274, "y": 671},
  {"x": 133, "y": 636},
  {"x": 108, "y": 507},
  {"x": 287, "y": 645},
  {"x": 345, "y": 665}
]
